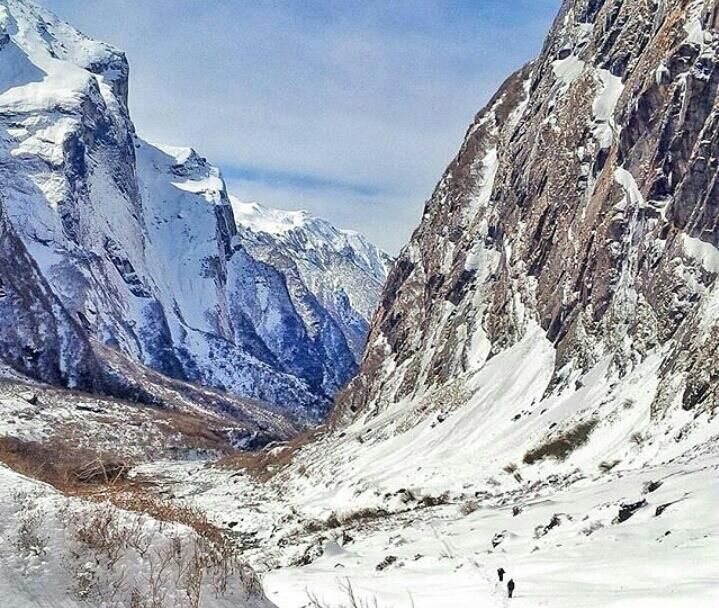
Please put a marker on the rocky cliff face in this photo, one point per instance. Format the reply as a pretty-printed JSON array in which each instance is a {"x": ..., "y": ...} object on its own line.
[
  {"x": 580, "y": 214},
  {"x": 114, "y": 243}
]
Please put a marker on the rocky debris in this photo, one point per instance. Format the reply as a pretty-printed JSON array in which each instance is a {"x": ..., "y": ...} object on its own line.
[
  {"x": 30, "y": 397},
  {"x": 345, "y": 538},
  {"x": 386, "y": 563},
  {"x": 628, "y": 509},
  {"x": 651, "y": 486},
  {"x": 555, "y": 521},
  {"x": 499, "y": 538},
  {"x": 313, "y": 551},
  {"x": 661, "y": 508}
]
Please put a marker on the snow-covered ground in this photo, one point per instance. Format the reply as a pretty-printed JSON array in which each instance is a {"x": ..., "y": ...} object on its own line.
[
  {"x": 418, "y": 506},
  {"x": 59, "y": 552},
  {"x": 562, "y": 542},
  {"x": 588, "y": 560}
]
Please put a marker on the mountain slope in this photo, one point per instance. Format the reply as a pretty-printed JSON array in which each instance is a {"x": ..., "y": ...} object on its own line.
[
  {"x": 340, "y": 268},
  {"x": 540, "y": 384},
  {"x": 134, "y": 246},
  {"x": 578, "y": 216}
]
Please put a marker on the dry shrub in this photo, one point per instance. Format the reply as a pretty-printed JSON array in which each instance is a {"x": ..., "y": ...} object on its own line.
[
  {"x": 563, "y": 444},
  {"x": 101, "y": 531},
  {"x": 266, "y": 463},
  {"x": 336, "y": 520},
  {"x": 205, "y": 558},
  {"x": 139, "y": 500},
  {"x": 29, "y": 539},
  {"x": 637, "y": 439},
  {"x": 469, "y": 507},
  {"x": 69, "y": 469},
  {"x": 101, "y": 536},
  {"x": 219, "y": 552},
  {"x": 435, "y": 501}
]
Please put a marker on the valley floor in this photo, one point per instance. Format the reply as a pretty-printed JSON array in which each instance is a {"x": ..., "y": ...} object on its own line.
[
  {"x": 564, "y": 544},
  {"x": 419, "y": 505}
]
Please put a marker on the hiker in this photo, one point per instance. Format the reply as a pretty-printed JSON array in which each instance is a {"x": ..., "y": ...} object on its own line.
[
  {"x": 510, "y": 587},
  {"x": 500, "y": 574}
]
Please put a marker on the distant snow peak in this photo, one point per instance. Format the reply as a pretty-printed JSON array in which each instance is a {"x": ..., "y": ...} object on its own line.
[
  {"x": 341, "y": 270},
  {"x": 259, "y": 218}
]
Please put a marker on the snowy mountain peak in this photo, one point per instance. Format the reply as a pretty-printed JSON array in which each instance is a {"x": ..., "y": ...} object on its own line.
[
  {"x": 259, "y": 218},
  {"x": 134, "y": 247},
  {"x": 310, "y": 232},
  {"x": 46, "y": 63},
  {"x": 341, "y": 268}
]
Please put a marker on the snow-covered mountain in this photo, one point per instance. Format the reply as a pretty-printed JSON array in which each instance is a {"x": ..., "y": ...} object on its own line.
[
  {"x": 340, "y": 269},
  {"x": 572, "y": 243},
  {"x": 121, "y": 244}
]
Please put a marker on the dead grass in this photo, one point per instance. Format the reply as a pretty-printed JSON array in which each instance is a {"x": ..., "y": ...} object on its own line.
[
  {"x": 101, "y": 536},
  {"x": 266, "y": 463},
  {"x": 339, "y": 520},
  {"x": 139, "y": 499},
  {"x": 563, "y": 444},
  {"x": 70, "y": 470}
]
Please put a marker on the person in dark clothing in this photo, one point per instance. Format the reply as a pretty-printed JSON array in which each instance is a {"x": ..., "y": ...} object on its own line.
[
  {"x": 510, "y": 587},
  {"x": 500, "y": 574}
]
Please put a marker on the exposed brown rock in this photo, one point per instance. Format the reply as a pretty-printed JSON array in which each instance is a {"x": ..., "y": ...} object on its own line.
[{"x": 584, "y": 236}]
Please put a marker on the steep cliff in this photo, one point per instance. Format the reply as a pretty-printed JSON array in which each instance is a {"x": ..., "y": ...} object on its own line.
[
  {"x": 579, "y": 215},
  {"x": 121, "y": 244}
]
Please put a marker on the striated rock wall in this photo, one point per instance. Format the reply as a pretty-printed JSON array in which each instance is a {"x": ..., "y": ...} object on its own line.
[{"x": 584, "y": 199}]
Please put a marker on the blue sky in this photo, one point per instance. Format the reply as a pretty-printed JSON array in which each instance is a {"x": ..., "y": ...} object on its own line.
[{"x": 351, "y": 109}]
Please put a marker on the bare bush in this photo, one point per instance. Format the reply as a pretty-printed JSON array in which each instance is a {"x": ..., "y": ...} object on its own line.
[
  {"x": 68, "y": 468},
  {"x": 101, "y": 532},
  {"x": 29, "y": 539},
  {"x": 203, "y": 560},
  {"x": 337, "y": 520},
  {"x": 435, "y": 501},
  {"x": 562, "y": 445},
  {"x": 469, "y": 507},
  {"x": 637, "y": 439}
]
